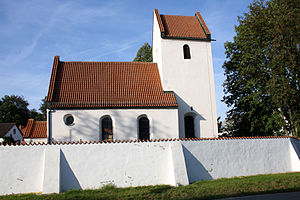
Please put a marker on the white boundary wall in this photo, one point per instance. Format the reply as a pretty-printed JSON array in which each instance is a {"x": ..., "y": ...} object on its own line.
[{"x": 57, "y": 168}]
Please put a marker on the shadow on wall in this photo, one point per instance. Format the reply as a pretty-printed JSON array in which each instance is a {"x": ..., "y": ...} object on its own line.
[
  {"x": 68, "y": 179},
  {"x": 195, "y": 170},
  {"x": 183, "y": 109},
  {"x": 296, "y": 145}
]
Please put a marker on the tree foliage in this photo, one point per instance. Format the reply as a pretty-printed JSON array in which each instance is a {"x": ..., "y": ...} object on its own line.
[
  {"x": 262, "y": 70},
  {"x": 144, "y": 54},
  {"x": 43, "y": 109},
  {"x": 15, "y": 109}
]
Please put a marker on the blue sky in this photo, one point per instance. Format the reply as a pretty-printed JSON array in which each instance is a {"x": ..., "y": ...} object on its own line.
[{"x": 33, "y": 31}]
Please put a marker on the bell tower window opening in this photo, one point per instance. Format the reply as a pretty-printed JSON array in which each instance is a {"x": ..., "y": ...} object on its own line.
[{"x": 186, "y": 52}]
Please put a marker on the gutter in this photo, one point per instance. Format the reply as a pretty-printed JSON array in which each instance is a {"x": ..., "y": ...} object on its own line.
[{"x": 49, "y": 133}]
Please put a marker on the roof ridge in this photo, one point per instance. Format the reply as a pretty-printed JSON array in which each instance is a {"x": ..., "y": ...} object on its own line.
[
  {"x": 107, "y": 62},
  {"x": 179, "y": 15}
]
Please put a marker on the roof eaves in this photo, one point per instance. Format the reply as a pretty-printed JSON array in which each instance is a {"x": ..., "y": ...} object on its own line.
[
  {"x": 171, "y": 106},
  {"x": 52, "y": 79},
  {"x": 188, "y": 38}
]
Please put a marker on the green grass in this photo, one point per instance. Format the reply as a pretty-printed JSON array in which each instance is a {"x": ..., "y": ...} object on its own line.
[{"x": 212, "y": 189}]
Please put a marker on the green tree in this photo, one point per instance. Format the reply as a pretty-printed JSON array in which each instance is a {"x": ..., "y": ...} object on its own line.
[
  {"x": 262, "y": 70},
  {"x": 144, "y": 54},
  {"x": 219, "y": 122},
  {"x": 42, "y": 115},
  {"x": 14, "y": 109},
  {"x": 43, "y": 109}
]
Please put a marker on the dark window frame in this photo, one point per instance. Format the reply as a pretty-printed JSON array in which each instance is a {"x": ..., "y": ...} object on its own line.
[
  {"x": 186, "y": 52},
  {"x": 107, "y": 128},
  {"x": 189, "y": 126},
  {"x": 69, "y": 120},
  {"x": 143, "y": 128}
]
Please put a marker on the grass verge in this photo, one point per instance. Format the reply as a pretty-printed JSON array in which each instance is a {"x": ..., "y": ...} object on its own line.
[{"x": 211, "y": 189}]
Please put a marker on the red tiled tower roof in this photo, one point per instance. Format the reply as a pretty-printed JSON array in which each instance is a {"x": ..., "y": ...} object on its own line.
[
  {"x": 34, "y": 129},
  {"x": 107, "y": 85},
  {"x": 183, "y": 27}
]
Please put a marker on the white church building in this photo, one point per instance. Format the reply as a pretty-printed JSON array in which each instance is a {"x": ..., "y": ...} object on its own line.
[{"x": 173, "y": 97}]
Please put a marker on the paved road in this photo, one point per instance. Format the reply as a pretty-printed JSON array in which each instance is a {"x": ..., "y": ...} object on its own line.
[{"x": 276, "y": 196}]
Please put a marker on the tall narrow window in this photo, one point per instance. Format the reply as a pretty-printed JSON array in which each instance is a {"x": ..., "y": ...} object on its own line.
[
  {"x": 107, "y": 129},
  {"x": 186, "y": 52},
  {"x": 144, "y": 133},
  {"x": 189, "y": 127}
]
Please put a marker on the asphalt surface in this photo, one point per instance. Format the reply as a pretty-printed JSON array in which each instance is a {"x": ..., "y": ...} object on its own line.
[{"x": 276, "y": 196}]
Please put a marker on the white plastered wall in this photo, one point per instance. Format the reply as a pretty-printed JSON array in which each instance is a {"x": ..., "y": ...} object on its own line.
[
  {"x": 36, "y": 140},
  {"x": 56, "y": 168},
  {"x": 192, "y": 80},
  {"x": 214, "y": 159},
  {"x": 123, "y": 165},
  {"x": 21, "y": 169},
  {"x": 87, "y": 124},
  {"x": 156, "y": 46}
]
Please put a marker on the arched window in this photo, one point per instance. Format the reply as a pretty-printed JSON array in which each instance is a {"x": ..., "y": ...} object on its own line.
[
  {"x": 186, "y": 52},
  {"x": 189, "y": 127},
  {"x": 107, "y": 129},
  {"x": 144, "y": 133}
]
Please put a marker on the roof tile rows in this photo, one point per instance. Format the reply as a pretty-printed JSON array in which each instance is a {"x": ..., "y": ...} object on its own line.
[
  {"x": 188, "y": 27},
  {"x": 35, "y": 129},
  {"x": 106, "y": 85}
]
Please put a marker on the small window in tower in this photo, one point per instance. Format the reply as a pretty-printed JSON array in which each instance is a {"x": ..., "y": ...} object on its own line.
[{"x": 186, "y": 52}]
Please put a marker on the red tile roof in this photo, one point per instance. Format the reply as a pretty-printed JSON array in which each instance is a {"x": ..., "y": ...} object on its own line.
[
  {"x": 35, "y": 129},
  {"x": 185, "y": 27},
  {"x": 107, "y": 85}
]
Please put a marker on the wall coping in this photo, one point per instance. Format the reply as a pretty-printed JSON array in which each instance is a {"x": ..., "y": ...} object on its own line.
[{"x": 145, "y": 141}]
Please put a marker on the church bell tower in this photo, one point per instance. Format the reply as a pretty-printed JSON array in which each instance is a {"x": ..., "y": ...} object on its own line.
[{"x": 182, "y": 51}]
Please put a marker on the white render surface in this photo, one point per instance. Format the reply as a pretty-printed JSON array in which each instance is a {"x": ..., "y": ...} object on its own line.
[
  {"x": 87, "y": 124},
  {"x": 21, "y": 169},
  {"x": 192, "y": 80},
  {"x": 56, "y": 168},
  {"x": 228, "y": 158},
  {"x": 122, "y": 165},
  {"x": 35, "y": 140}
]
